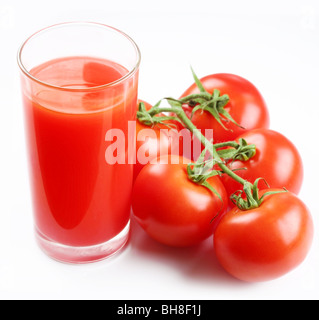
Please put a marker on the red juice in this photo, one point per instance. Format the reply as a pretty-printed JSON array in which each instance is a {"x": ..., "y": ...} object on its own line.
[{"x": 79, "y": 199}]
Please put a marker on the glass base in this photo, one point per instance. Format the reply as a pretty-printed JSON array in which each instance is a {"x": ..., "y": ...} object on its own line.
[{"x": 81, "y": 255}]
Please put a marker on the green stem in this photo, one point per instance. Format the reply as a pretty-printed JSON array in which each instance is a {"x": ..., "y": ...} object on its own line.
[
  {"x": 232, "y": 144},
  {"x": 251, "y": 190},
  {"x": 210, "y": 147},
  {"x": 205, "y": 96}
]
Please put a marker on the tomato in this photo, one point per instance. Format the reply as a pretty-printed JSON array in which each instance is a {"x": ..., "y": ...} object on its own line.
[
  {"x": 267, "y": 242},
  {"x": 171, "y": 208},
  {"x": 277, "y": 160},
  {"x": 246, "y": 106},
  {"x": 152, "y": 142}
]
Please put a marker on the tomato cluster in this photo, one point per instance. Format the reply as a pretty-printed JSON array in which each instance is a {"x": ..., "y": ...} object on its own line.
[{"x": 258, "y": 244}]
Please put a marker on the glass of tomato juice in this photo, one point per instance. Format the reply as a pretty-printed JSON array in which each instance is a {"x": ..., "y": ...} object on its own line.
[{"x": 79, "y": 81}]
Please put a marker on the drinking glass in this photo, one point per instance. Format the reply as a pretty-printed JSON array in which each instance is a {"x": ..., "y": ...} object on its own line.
[{"x": 79, "y": 82}]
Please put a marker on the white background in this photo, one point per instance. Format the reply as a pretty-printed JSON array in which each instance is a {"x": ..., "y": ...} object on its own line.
[{"x": 273, "y": 43}]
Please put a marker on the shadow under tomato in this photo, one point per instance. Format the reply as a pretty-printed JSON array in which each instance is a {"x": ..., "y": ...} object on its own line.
[{"x": 197, "y": 263}]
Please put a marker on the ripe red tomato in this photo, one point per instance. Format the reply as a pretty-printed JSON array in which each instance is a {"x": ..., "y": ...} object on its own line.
[
  {"x": 276, "y": 160},
  {"x": 171, "y": 208},
  {"x": 152, "y": 143},
  {"x": 246, "y": 106},
  {"x": 267, "y": 242}
]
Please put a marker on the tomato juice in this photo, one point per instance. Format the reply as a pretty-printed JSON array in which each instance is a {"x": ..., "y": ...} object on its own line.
[{"x": 70, "y": 103}]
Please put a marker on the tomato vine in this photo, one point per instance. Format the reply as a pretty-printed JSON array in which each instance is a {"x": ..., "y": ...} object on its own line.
[{"x": 200, "y": 171}]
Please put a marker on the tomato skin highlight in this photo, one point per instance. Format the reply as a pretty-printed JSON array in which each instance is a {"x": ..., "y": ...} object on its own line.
[
  {"x": 277, "y": 160},
  {"x": 172, "y": 209},
  {"x": 246, "y": 106},
  {"x": 265, "y": 243}
]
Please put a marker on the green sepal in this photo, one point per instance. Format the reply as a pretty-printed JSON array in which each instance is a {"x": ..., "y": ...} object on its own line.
[
  {"x": 198, "y": 82},
  {"x": 252, "y": 195},
  {"x": 214, "y": 104},
  {"x": 151, "y": 118},
  {"x": 239, "y": 151}
]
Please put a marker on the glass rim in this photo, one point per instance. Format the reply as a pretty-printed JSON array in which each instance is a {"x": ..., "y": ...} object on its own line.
[{"x": 100, "y": 87}]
